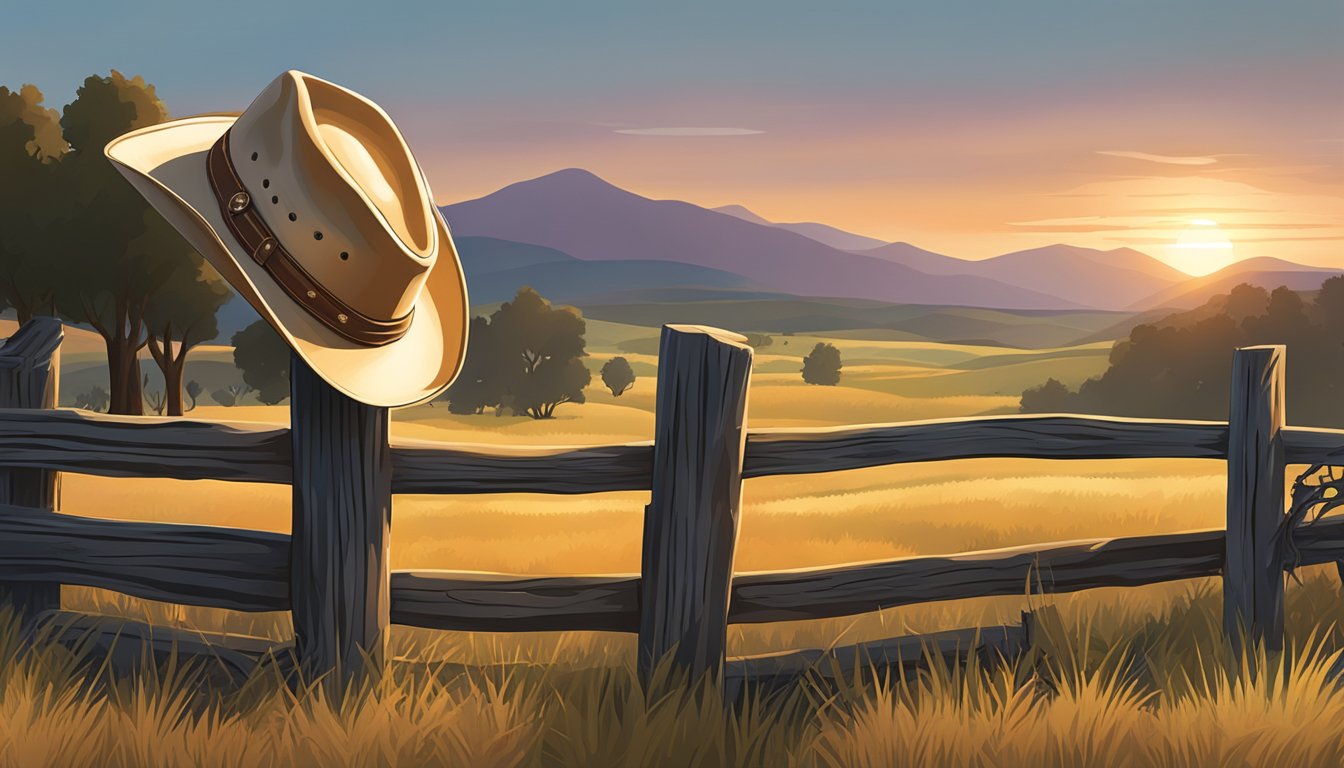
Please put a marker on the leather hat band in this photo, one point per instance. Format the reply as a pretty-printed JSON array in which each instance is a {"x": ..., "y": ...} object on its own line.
[{"x": 250, "y": 230}]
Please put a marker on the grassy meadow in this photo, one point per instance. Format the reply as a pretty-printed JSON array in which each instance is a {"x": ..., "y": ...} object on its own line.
[{"x": 1120, "y": 677}]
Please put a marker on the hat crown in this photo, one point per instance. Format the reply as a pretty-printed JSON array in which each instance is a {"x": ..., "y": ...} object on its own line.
[{"x": 333, "y": 179}]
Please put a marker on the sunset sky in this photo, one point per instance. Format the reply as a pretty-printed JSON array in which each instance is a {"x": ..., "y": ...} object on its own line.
[{"x": 967, "y": 128}]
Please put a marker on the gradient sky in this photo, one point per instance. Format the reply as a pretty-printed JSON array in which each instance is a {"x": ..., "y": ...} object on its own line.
[{"x": 969, "y": 128}]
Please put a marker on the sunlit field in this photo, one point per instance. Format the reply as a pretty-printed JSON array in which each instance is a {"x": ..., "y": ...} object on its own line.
[{"x": 1117, "y": 677}]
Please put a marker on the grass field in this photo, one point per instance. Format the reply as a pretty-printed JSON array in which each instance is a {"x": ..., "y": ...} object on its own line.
[{"x": 1122, "y": 677}]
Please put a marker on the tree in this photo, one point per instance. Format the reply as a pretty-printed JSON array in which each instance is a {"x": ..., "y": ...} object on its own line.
[
  {"x": 618, "y": 376},
  {"x": 822, "y": 365},
  {"x": 525, "y": 357},
  {"x": 93, "y": 400},
  {"x": 759, "y": 340},
  {"x": 193, "y": 390},
  {"x": 30, "y": 144},
  {"x": 1053, "y": 395},
  {"x": 477, "y": 385},
  {"x": 116, "y": 254},
  {"x": 184, "y": 311},
  {"x": 263, "y": 357},
  {"x": 1178, "y": 367}
]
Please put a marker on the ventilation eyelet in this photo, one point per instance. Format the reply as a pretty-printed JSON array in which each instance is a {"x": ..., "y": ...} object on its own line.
[
  {"x": 275, "y": 199},
  {"x": 317, "y": 235},
  {"x": 293, "y": 217},
  {"x": 254, "y": 157},
  {"x": 345, "y": 255},
  {"x": 265, "y": 183}
]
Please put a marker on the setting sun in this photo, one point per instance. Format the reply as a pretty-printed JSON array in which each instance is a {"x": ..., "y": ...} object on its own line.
[{"x": 1202, "y": 248}]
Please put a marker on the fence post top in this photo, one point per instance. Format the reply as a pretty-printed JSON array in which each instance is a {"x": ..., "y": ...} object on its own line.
[
  {"x": 34, "y": 339},
  {"x": 1271, "y": 348},
  {"x": 718, "y": 334}
]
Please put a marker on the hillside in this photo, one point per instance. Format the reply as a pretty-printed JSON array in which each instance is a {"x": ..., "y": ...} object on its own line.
[
  {"x": 822, "y": 233},
  {"x": 578, "y": 213},
  {"x": 1267, "y": 273}
]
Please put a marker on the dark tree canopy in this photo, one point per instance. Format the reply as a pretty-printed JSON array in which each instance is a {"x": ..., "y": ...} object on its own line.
[
  {"x": 30, "y": 144},
  {"x": 1180, "y": 366},
  {"x": 618, "y": 376},
  {"x": 263, "y": 357},
  {"x": 525, "y": 358},
  {"x": 822, "y": 365}
]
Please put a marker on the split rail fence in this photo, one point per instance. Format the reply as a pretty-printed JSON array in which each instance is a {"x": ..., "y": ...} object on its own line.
[{"x": 332, "y": 572}]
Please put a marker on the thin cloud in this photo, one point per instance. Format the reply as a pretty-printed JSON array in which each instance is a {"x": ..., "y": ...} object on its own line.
[
  {"x": 688, "y": 131},
  {"x": 1165, "y": 159}
]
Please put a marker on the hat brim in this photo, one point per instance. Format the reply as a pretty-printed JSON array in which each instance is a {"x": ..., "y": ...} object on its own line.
[{"x": 167, "y": 164}]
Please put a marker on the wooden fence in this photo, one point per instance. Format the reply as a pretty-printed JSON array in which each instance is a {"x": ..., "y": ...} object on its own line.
[{"x": 332, "y": 572}]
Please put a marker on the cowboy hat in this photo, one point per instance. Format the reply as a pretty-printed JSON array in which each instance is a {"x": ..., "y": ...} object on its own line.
[{"x": 311, "y": 206}]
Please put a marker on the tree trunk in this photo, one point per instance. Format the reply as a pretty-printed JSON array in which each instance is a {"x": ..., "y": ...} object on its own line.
[
  {"x": 133, "y": 390},
  {"x": 171, "y": 365},
  {"x": 172, "y": 386}
]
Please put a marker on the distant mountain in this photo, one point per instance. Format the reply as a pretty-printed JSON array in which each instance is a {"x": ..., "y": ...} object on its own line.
[
  {"x": 576, "y": 212},
  {"x": 1266, "y": 272},
  {"x": 1113, "y": 279},
  {"x": 822, "y": 233},
  {"x": 496, "y": 269},
  {"x": 925, "y": 261}
]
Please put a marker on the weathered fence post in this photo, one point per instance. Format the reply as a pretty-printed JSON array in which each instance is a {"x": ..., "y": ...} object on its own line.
[
  {"x": 690, "y": 524},
  {"x": 1253, "y": 567},
  {"x": 339, "y": 546},
  {"x": 29, "y": 374}
]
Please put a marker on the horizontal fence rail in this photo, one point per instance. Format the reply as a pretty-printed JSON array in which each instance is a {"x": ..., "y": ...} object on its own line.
[
  {"x": 124, "y": 446},
  {"x": 248, "y": 571}
]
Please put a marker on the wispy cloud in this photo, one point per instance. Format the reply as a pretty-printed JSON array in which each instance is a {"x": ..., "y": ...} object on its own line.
[
  {"x": 1166, "y": 159},
  {"x": 688, "y": 131}
]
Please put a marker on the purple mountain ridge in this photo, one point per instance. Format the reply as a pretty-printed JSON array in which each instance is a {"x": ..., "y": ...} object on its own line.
[
  {"x": 822, "y": 233},
  {"x": 578, "y": 213}
]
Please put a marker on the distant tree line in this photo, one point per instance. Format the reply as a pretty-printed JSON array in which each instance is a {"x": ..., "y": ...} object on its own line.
[
  {"x": 77, "y": 241},
  {"x": 1180, "y": 366}
]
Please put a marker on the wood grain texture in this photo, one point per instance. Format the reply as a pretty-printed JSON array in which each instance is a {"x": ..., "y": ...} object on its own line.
[
  {"x": 30, "y": 363},
  {"x": 830, "y": 449},
  {"x": 188, "y": 564},
  {"x": 496, "y": 602},
  {"x": 135, "y": 446},
  {"x": 144, "y": 446},
  {"x": 339, "y": 547},
  {"x": 428, "y": 467},
  {"x": 1320, "y": 542},
  {"x": 690, "y": 524},
  {"x": 1313, "y": 445},
  {"x": 818, "y": 593},
  {"x": 1256, "y": 459}
]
